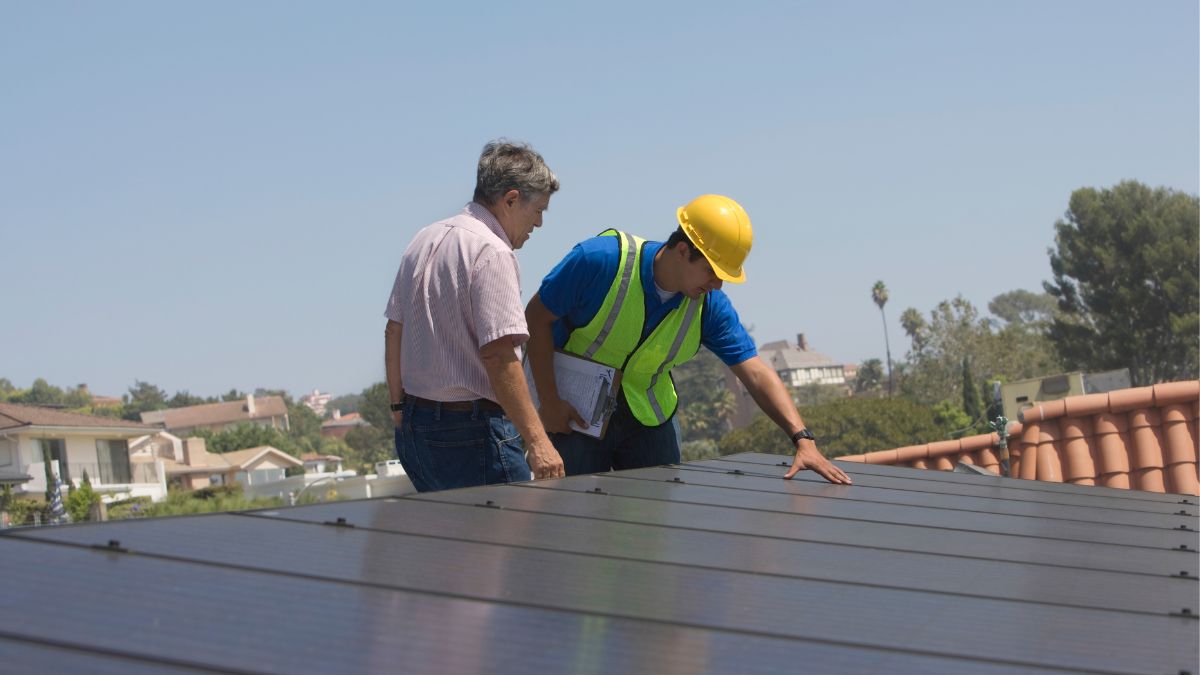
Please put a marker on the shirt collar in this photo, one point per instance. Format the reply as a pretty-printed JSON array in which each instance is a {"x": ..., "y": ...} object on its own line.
[
  {"x": 649, "y": 288},
  {"x": 482, "y": 214}
]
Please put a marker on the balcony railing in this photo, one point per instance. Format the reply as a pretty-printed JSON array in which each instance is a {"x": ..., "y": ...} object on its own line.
[{"x": 107, "y": 473}]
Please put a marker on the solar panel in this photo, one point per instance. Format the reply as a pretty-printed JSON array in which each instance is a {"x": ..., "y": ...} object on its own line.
[{"x": 630, "y": 571}]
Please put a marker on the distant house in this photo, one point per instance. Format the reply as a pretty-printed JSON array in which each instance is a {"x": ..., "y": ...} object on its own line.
[
  {"x": 316, "y": 401},
  {"x": 340, "y": 424},
  {"x": 252, "y": 466},
  {"x": 265, "y": 411},
  {"x": 75, "y": 443},
  {"x": 798, "y": 365},
  {"x": 314, "y": 463}
]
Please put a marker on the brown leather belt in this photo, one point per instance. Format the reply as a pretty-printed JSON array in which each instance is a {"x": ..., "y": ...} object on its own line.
[{"x": 480, "y": 403}]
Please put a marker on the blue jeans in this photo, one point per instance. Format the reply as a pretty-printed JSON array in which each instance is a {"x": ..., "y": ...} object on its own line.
[
  {"x": 627, "y": 444},
  {"x": 442, "y": 449}
]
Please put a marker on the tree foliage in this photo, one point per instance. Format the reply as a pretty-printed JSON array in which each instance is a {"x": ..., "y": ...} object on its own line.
[
  {"x": 706, "y": 406},
  {"x": 869, "y": 377},
  {"x": 245, "y": 436},
  {"x": 1126, "y": 280},
  {"x": 956, "y": 331},
  {"x": 80, "y": 500},
  {"x": 846, "y": 426}
]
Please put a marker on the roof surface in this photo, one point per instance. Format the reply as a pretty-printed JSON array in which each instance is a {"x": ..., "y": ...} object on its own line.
[
  {"x": 221, "y": 413},
  {"x": 236, "y": 459},
  {"x": 1143, "y": 438},
  {"x": 783, "y": 355},
  {"x": 13, "y": 415},
  {"x": 711, "y": 566}
]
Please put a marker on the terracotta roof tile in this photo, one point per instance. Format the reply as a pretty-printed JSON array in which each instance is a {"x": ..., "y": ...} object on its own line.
[{"x": 1143, "y": 438}]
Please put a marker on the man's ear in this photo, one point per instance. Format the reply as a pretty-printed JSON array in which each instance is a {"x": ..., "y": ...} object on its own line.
[{"x": 510, "y": 198}]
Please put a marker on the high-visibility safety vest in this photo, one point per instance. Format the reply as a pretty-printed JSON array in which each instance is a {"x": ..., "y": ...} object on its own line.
[{"x": 614, "y": 338}]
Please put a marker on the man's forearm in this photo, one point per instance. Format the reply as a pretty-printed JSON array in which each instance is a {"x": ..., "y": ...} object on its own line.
[
  {"x": 540, "y": 348},
  {"x": 771, "y": 395},
  {"x": 392, "y": 342},
  {"x": 512, "y": 393}
]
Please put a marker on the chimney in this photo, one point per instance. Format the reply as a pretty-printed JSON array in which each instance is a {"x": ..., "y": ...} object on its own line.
[
  {"x": 801, "y": 342},
  {"x": 250, "y": 404},
  {"x": 194, "y": 451},
  {"x": 337, "y": 414}
]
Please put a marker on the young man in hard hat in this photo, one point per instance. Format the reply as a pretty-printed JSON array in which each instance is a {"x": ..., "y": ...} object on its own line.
[{"x": 645, "y": 307}]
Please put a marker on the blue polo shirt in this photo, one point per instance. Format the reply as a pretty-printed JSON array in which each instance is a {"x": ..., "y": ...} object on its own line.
[{"x": 576, "y": 287}]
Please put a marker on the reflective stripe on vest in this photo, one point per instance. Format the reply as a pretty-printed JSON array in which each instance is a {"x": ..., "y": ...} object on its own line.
[{"x": 613, "y": 337}]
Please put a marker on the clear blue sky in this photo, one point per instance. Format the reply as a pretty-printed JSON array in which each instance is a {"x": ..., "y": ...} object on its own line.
[{"x": 207, "y": 195}]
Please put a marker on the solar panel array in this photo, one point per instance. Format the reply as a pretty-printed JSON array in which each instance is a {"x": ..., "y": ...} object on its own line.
[{"x": 714, "y": 565}]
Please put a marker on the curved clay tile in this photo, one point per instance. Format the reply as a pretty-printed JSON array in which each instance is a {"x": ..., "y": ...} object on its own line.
[
  {"x": 1179, "y": 455},
  {"x": 1143, "y": 438},
  {"x": 1049, "y": 463},
  {"x": 1176, "y": 392},
  {"x": 1086, "y": 405},
  {"x": 1146, "y": 464},
  {"x": 1112, "y": 443},
  {"x": 911, "y": 453},
  {"x": 1079, "y": 464},
  {"x": 1029, "y": 451},
  {"x": 1124, "y": 400}
]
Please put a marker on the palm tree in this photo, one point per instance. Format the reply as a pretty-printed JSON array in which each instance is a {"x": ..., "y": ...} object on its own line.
[{"x": 879, "y": 294}]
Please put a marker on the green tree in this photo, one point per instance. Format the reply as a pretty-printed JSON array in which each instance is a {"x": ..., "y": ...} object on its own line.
[
  {"x": 1126, "y": 280},
  {"x": 1036, "y": 310},
  {"x": 955, "y": 331},
  {"x": 6, "y": 389},
  {"x": 972, "y": 405},
  {"x": 879, "y": 294},
  {"x": 245, "y": 436},
  {"x": 184, "y": 398},
  {"x": 845, "y": 426},
  {"x": 347, "y": 403},
  {"x": 143, "y": 397},
  {"x": 706, "y": 406},
  {"x": 41, "y": 393},
  {"x": 81, "y": 499},
  {"x": 376, "y": 442},
  {"x": 869, "y": 377}
]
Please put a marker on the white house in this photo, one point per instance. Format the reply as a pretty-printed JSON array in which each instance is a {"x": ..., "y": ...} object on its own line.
[{"x": 32, "y": 435}]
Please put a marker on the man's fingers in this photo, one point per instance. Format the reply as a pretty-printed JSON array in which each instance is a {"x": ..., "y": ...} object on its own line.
[
  {"x": 797, "y": 465},
  {"x": 577, "y": 418}
]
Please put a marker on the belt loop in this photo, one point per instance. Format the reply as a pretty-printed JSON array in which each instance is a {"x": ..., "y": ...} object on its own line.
[
  {"x": 437, "y": 411},
  {"x": 474, "y": 410}
]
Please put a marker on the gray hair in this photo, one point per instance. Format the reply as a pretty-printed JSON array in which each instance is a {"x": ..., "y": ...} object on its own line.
[{"x": 505, "y": 165}]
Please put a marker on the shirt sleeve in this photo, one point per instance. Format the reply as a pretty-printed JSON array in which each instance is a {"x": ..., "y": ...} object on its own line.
[
  {"x": 722, "y": 332},
  {"x": 568, "y": 288},
  {"x": 496, "y": 308}
]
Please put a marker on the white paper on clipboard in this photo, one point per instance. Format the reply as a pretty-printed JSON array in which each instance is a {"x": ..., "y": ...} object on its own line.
[{"x": 590, "y": 387}]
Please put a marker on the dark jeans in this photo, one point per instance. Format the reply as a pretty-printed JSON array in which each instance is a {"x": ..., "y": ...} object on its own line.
[
  {"x": 442, "y": 449},
  {"x": 627, "y": 444}
]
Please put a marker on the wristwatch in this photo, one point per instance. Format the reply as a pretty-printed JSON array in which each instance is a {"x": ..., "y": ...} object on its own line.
[
  {"x": 803, "y": 433},
  {"x": 397, "y": 407}
]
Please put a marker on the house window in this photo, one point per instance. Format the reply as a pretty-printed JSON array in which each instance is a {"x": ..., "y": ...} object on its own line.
[
  {"x": 55, "y": 449},
  {"x": 260, "y": 476},
  {"x": 113, "y": 457},
  {"x": 6, "y": 454}
]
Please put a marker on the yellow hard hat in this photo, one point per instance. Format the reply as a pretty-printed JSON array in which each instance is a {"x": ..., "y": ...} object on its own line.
[{"x": 720, "y": 229}]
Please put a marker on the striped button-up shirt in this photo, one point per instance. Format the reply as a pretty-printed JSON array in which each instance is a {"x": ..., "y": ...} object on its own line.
[{"x": 458, "y": 289}]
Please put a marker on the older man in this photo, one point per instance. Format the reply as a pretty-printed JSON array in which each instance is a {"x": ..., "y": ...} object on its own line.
[
  {"x": 646, "y": 307},
  {"x": 455, "y": 324}
]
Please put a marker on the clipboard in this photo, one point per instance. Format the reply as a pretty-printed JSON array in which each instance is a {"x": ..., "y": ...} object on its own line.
[{"x": 589, "y": 386}]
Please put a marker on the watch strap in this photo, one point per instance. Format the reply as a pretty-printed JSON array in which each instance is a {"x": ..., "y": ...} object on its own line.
[{"x": 803, "y": 433}]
